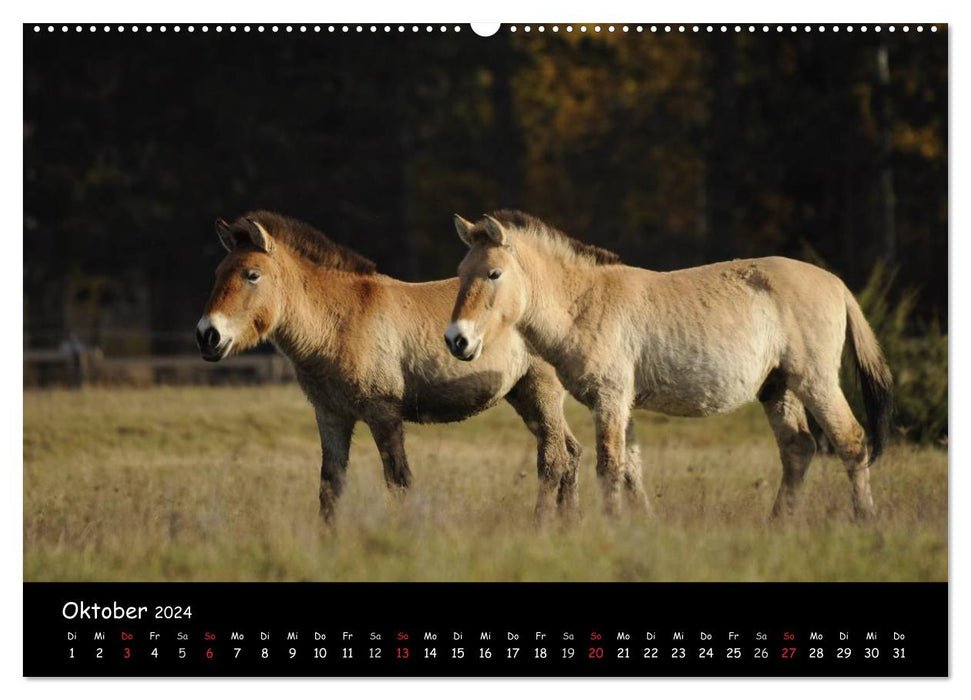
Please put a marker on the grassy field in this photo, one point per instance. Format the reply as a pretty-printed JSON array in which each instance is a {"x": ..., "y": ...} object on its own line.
[{"x": 221, "y": 484}]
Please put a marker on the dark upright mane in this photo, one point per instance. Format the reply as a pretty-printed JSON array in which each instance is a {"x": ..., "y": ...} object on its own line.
[
  {"x": 527, "y": 223},
  {"x": 310, "y": 243}
]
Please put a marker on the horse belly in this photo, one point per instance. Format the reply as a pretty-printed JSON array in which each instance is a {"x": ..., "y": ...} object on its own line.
[
  {"x": 449, "y": 396},
  {"x": 448, "y": 403},
  {"x": 693, "y": 402},
  {"x": 701, "y": 383}
]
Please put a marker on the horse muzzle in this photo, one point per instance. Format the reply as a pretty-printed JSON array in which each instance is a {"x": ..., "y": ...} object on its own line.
[
  {"x": 459, "y": 344},
  {"x": 212, "y": 345}
]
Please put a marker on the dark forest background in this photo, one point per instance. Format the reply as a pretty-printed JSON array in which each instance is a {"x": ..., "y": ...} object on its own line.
[{"x": 672, "y": 149}]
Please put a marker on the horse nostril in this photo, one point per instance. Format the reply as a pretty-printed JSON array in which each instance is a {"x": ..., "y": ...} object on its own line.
[
  {"x": 461, "y": 342},
  {"x": 210, "y": 338},
  {"x": 199, "y": 341}
]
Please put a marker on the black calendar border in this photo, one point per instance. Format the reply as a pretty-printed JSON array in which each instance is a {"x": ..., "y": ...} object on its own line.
[{"x": 918, "y": 610}]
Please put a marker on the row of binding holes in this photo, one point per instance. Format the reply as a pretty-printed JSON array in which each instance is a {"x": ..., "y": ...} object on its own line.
[
  {"x": 290, "y": 28},
  {"x": 387, "y": 28},
  {"x": 697, "y": 28}
]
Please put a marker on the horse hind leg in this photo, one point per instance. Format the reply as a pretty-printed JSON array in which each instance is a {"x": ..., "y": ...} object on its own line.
[
  {"x": 637, "y": 499},
  {"x": 831, "y": 410},
  {"x": 787, "y": 416},
  {"x": 568, "y": 495}
]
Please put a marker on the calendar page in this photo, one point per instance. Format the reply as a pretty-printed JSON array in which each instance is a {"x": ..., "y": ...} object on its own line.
[{"x": 551, "y": 349}]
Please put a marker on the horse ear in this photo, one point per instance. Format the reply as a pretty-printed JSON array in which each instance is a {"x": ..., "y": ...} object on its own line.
[
  {"x": 495, "y": 230},
  {"x": 258, "y": 236},
  {"x": 463, "y": 227},
  {"x": 225, "y": 237}
]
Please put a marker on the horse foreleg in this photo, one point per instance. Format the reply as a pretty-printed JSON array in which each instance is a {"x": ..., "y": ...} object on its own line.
[
  {"x": 611, "y": 422},
  {"x": 389, "y": 436},
  {"x": 335, "y": 445},
  {"x": 541, "y": 408},
  {"x": 633, "y": 486}
]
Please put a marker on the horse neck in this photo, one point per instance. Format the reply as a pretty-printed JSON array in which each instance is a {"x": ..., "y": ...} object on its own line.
[
  {"x": 554, "y": 290},
  {"x": 314, "y": 309}
]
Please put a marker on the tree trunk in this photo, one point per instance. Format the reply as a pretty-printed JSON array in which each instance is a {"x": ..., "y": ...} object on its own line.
[
  {"x": 724, "y": 127},
  {"x": 887, "y": 233},
  {"x": 508, "y": 139}
]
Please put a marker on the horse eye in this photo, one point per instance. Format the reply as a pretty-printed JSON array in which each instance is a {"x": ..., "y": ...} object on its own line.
[
  {"x": 253, "y": 275},
  {"x": 495, "y": 274}
]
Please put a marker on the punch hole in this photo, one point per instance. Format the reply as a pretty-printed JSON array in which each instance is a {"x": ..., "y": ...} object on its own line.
[{"x": 485, "y": 29}]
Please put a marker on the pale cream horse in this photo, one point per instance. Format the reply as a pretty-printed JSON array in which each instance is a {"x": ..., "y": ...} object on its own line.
[
  {"x": 366, "y": 347},
  {"x": 692, "y": 342}
]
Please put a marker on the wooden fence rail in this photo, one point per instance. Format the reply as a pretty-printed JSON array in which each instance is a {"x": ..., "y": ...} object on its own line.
[{"x": 66, "y": 368}]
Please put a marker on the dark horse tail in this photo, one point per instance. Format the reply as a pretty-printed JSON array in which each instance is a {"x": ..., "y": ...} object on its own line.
[{"x": 875, "y": 378}]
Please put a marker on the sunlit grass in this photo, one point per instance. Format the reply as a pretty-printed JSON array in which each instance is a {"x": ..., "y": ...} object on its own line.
[{"x": 221, "y": 484}]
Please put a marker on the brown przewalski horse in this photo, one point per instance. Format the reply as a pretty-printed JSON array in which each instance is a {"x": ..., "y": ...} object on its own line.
[
  {"x": 366, "y": 347},
  {"x": 692, "y": 342}
]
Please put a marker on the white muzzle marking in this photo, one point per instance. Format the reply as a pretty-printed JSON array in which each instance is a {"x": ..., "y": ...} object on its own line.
[{"x": 464, "y": 329}]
